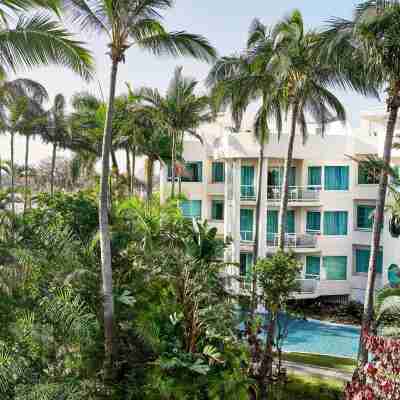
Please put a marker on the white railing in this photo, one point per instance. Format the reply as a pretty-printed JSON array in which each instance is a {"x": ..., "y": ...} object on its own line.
[
  {"x": 293, "y": 240},
  {"x": 296, "y": 193},
  {"x": 307, "y": 286},
  {"x": 247, "y": 192}
]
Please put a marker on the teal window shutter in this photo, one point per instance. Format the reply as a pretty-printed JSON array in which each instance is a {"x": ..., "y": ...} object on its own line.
[
  {"x": 393, "y": 275},
  {"x": 275, "y": 176},
  {"x": 313, "y": 222},
  {"x": 272, "y": 224},
  {"x": 193, "y": 172},
  {"x": 362, "y": 261},
  {"x": 314, "y": 177},
  {"x": 365, "y": 217},
  {"x": 313, "y": 267},
  {"x": 218, "y": 173},
  {"x": 246, "y": 264},
  {"x": 337, "y": 178},
  {"x": 247, "y": 181},
  {"x": 217, "y": 210},
  {"x": 290, "y": 222},
  {"x": 335, "y": 268},
  {"x": 335, "y": 223},
  {"x": 191, "y": 208},
  {"x": 246, "y": 224},
  {"x": 292, "y": 176}
]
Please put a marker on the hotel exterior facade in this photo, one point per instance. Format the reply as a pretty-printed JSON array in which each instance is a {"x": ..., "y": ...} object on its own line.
[{"x": 331, "y": 202}]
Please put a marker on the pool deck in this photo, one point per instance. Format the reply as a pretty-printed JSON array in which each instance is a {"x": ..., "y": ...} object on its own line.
[{"x": 317, "y": 371}]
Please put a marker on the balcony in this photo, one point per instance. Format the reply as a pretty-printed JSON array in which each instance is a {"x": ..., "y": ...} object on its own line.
[
  {"x": 247, "y": 193},
  {"x": 297, "y": 194},
  {"x": 308, "y": 288},
  {"x": 293, "y": 241},
  {"x": 246, "y": 236}
]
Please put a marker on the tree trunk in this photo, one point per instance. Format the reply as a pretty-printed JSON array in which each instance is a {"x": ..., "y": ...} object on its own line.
[
  {"x": 150, "y": 170},
  {"x": 133, "y": 170},
  {"x": 53, "y": 168},
  {"x": 180, "y": 177},
  {"x": 26, "y": 171},
  {"x": 114, "y": 161},
  {"x": 105, "y": 245},
  {"x": 1, "y": 174},
  {"x": 128, "y": 169},
  {"x": 258, "y": 227},
  {"x": 376, "y": 230},
  {"x": 12, "y": 181},
  {"x": 285, "y": 183},
  {"x": 173, "y": 161}
]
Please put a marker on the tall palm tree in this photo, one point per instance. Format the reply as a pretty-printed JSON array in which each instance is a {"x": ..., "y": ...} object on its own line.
[
  {"x": 126, "y": 24},
  {"x": 180, "y": 111},
  {"x": 57, "y": 131},
  {"x": 305, "y": 83},
  {"x": 371, "y": 41}
]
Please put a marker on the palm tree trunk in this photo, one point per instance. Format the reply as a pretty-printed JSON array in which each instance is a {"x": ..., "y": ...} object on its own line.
[
  {"x": 133, "y": 170},
  {"x": 1, "y": 174},
  {"x": 105, "y": 245},
  {"x": 114, "y": 162},
  {"x": 258, "y": 227},
  {"x": 26, "y": 171},
  {"x": 173, "y": 161},
  {"x": 128, "y": 169},
  {"x": 180, "y": 177},
  {"x": 376, "y": 230},
  {"x": 150, "y": 170},
  {"x": 285, "y": 183},
  {"x": 53, "y": 168},
  {"x": 12, "y": 180}
]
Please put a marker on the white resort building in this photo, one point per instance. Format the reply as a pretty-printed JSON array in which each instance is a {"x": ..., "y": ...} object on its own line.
[{"x": 332, "y": 199}]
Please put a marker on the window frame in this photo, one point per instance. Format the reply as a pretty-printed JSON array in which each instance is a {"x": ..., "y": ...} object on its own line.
[
  {"x": 213, "y": 203},
  {"x": 213, "y": 176}
]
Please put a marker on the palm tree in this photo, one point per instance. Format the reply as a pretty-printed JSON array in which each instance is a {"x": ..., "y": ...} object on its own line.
[
  {"x": 180, "y": 111},
  {"x": 126, "y": 24},
  {"x": 371, "y": 42},
  {"x": 57, "y": 131},
  {"x": 305, "y": 83}
]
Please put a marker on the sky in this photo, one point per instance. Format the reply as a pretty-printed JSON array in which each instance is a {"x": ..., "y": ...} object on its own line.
[{"x": 223, "y": 22}]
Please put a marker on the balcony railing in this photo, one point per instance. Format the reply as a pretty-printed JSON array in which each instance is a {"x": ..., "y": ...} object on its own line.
[
  {"x": 307, "y": 286},
  {"x": 246, "y": 236},
  {"x": 247, "y": 192},
  {"x": 293, "y": 240},
  {"x": 296, "y": 193}
]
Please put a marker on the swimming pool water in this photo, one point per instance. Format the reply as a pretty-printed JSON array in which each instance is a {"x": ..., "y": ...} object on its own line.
[{"x": 312, "y": 336}]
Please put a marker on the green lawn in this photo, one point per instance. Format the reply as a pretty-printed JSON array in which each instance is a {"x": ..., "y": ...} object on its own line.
[
  {"x": 338, "y": 363},
  {"x": 302, "y": 387}
]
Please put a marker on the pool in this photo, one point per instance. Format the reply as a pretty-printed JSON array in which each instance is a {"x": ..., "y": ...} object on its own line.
[{"x": 312, "y": 336}]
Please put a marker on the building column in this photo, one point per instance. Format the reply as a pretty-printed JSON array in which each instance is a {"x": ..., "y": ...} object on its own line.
[
  {"x": 232, "y": 210},
  {"x": 262, "y": 240}
]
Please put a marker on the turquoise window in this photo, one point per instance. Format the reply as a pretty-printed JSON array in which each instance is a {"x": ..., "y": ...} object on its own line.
[
  {"x": 246, "y": 264},
  {"x": 247, "y": 181},
  {"x": 368, "y": 175},
  {"x": 313, "y": 267},
  {"x": 362, "y": 261},
  {"x": 246, "y": 224},
  {"x": 191, "y": 208},
  {"x": 365, "y": 217},
  {"x": 272, "y": 223},
  {"x": 393, "y": 275},
  {"x": 314, "y": 177},
  {"x": 313, "y": 222},
  {"x": 217, "y": 210},
  {"x": 218, "y": 172},
  {"x": 335, "y": 268},
  {"x": 335, "y": 223},
  {"x": 193, "y": 172},
  {"x": 275, "y": 176},
  {"x": 337, "y": 178}
]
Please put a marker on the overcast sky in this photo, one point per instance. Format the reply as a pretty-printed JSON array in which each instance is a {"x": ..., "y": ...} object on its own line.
[{"x": 224, "y": 22}]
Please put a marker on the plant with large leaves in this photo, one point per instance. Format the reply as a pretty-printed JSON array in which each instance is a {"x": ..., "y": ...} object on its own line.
[
  {"x": 370, "y": 42},
  {"x": 126, "y": 24},
  {"x": 180, "y": 111}
]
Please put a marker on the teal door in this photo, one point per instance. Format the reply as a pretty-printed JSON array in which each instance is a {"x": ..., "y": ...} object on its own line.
[
  {"x": 247, "y": 181},
  {"x": 246, "y": 224}
]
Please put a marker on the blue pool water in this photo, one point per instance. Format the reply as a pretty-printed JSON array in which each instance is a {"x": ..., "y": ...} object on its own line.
[
  {"x": 318, "y": 337},
  {"x": 314, "y": 336}
]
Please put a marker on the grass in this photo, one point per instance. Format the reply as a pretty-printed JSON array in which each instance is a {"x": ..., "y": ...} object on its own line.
[
  {"x": 341, "y": 364},
  {"x": 301, "y": 387}
]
